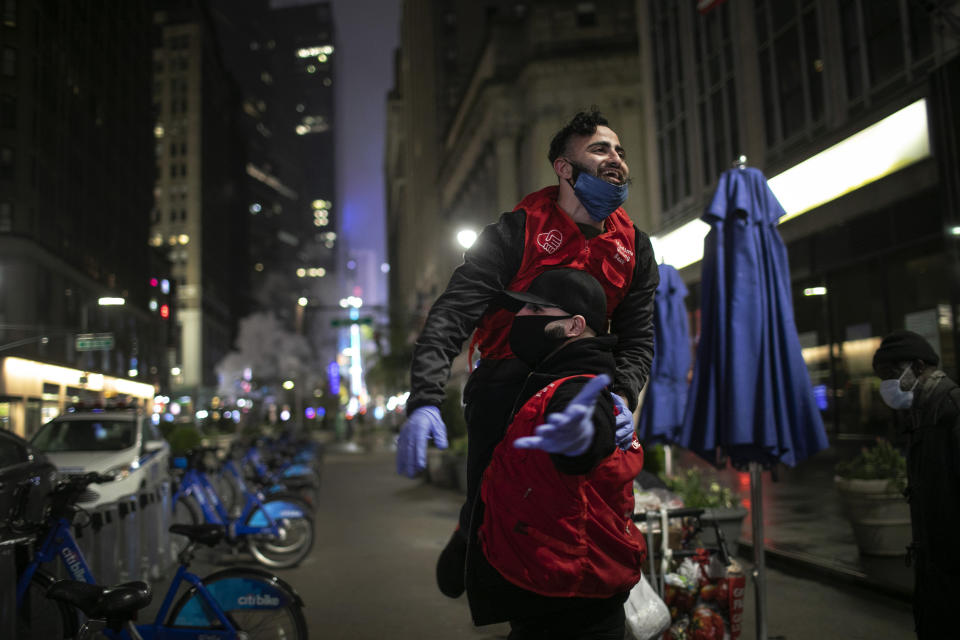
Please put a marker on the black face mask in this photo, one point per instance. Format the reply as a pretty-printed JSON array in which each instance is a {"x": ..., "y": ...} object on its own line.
[{"x": 529, "y": 340}]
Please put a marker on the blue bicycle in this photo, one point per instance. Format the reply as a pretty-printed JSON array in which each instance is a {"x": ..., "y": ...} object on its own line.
[
  {"x": 277, "y": 528},
  {"x": 236, "y": 603},
  {"x": 244, "y": 467}
]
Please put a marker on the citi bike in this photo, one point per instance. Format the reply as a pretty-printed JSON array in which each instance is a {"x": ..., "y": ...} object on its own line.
[
  {"x": 238, "y": 603},
  {"x": 277, "y": 528}
]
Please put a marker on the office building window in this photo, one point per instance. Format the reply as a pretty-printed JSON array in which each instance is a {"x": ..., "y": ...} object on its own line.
[
  {"x": 9, "y": 16},
  {"x": 791, "y": 68},
  {"x": 8, "y": 112},
  {"x": 6, "y": 217},
  {"x": 586, "y": 14},
  {"x": 8, "y": 64},
  {"x": 715, "y": 93},
  {"x": 6, "y": 163},
  {"x": 885, "y": 42},
  {"x": 669, "y": 90}
]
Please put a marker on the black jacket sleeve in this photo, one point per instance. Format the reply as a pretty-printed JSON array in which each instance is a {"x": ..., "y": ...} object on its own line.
[
  {"x": 632, "y": 323},
  {"x": 488, "y": 267},
  {"x": 604, "y": 425}
]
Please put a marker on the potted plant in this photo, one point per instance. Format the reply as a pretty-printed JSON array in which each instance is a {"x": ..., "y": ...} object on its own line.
[
  {"x": 871, "y": 487},
  {"x": 720, "y": 504}
]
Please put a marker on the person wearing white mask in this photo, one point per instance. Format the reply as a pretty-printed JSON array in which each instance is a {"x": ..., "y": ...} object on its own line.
[{"x": 928, "y": 406}]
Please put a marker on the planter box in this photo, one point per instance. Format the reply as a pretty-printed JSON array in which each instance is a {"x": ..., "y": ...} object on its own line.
[{"x": 880, "y": 516}]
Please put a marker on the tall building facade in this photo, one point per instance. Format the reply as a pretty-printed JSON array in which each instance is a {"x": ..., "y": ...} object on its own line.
[
  {"x": 282, "y": 57},
  {"x": 858, "y": 99},
  {"x": 199, "y": 216},
  {"x": 472, "y": 114},
  {"x": 76, "y": 175}
]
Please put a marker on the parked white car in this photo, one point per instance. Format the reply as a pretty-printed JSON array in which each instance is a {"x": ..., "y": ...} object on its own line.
[{"x": 122, "y": 443}]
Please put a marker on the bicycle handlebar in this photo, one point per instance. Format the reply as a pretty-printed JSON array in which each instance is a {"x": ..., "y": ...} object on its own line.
[{"x": 681, "y": 512}]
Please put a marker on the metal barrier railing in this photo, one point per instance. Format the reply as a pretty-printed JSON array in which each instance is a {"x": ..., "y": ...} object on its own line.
[{"x": 127, "y": 539}]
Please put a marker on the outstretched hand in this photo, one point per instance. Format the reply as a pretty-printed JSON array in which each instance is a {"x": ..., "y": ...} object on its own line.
[{"x": 570, "y": 431}]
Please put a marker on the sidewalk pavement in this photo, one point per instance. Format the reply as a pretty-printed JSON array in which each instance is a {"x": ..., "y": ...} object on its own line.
[
  {"x": 805, "y": 531},
  {"x": 371, "y": 572}
]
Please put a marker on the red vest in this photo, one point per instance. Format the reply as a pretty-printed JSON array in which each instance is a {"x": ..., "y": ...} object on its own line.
[
  {"x": 553, "y": 240},
  {"x": 556, "y": 534}
]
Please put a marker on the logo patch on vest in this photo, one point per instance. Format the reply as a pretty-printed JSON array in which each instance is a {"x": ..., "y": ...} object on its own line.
[
  {"x": 550, "y": 241},
  {"x": 624, "y": 255}
]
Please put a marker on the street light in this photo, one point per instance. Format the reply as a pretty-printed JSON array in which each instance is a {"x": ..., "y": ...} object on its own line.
[{"x": 466, "y": 238}]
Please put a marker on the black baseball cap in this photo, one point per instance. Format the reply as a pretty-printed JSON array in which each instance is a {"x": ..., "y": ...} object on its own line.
[{"x": 575, "y": 291}]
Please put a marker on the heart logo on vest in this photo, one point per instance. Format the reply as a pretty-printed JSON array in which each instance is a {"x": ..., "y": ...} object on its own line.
[{"x": 550, "y": 241}]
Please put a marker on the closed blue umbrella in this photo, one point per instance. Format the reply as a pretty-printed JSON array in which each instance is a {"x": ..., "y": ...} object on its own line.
[
  {"x": 750, "y": 399},
  {"x": 661, "y": 417}
]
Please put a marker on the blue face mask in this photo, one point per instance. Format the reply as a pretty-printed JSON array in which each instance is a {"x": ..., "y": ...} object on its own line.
[
  {"x": 893, "y": 394},
  {"x": 599, "y": 197}
]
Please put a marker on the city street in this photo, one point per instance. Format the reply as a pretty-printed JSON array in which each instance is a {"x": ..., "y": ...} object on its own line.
[{"x": 371, "y": 571}]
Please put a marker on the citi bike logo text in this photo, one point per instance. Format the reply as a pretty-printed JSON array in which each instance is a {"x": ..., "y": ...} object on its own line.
[
  {"x": 258, "y": 600},
  {"x": 72, "y": 561}
]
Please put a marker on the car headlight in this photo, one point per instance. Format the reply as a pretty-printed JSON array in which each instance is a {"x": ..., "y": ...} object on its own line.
[{"x": 120, "y": 472}]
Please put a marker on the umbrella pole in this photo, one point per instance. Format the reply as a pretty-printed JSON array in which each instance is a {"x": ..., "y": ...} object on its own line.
[{"x": 759, "y": 570}]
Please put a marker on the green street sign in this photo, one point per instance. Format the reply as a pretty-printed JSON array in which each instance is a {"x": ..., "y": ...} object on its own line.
[
  {"x": 94, "y": 342},
  {"x": 346, "y": 322}
]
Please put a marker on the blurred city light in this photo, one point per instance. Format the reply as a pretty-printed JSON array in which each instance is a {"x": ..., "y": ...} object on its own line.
[
  {"x": 302, "y": 301},
  {"x": 466, "y": 238},
  {"x": 288, "y": 384},
  {"x": 284, "y": 415},
  {"x": 111, "y": 302},
  {"x": 815, "y": 291},
  {"x": 175, "y": 371}
]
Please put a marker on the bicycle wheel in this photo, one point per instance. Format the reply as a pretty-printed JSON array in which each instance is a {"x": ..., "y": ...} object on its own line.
[
  {"x": 295, "y": 540},
  {"x": 185, "y": 511},
  {"x": 228, "y": 493},
  {"x": 261, "y": 605},
  {"x": 40, "y": 618}
]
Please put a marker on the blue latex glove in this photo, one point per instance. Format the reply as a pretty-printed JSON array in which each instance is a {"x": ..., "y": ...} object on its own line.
[
  {"x": 423, "y": 423},
  {"x": 624, "y": 434},
  {"x": 569, "y": 432}
]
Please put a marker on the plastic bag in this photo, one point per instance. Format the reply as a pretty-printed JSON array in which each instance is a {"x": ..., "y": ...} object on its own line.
[{"x": 647, "y": 615}]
